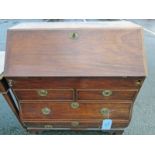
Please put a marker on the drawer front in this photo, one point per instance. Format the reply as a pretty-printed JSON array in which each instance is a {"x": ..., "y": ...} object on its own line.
[
  {"x": 75, "y": 124},
  {"x": 74, "y": 110},
  {"x": 44, "y": 94},
  {"x": 106, "y": 94},
  {"x": 75, "y": 83}
]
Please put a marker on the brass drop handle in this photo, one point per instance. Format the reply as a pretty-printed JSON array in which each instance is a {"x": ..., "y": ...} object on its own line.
[
  {"x": 46, "y": 111},
  {"x": 105, "y": 111},
  {"x": 42, "y": 92},
  {"x": 48, "y": 126},
  {"x": 75, "y": 105},
  {"x": 138, "y": 82},
  {"x": 10, "y": 83},
  {"x": 75, "y": 123},
  {"x": 107, "y": 92},
  {"x": 73, "y": 35}
]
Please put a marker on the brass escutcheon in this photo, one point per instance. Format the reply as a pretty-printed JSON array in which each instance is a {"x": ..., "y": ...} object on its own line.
[
  {"x": 104, "y": 111},
  {"x": 42, "y": 92},
  {"x": 75, "y": 105},
  {"x": 48, "y": 126},
  {"x": 73, "y": 35},
  {"x": 75, "y": 123},
  {"x": 107, "y": 92},
  {"x": 45, "y": 111}
]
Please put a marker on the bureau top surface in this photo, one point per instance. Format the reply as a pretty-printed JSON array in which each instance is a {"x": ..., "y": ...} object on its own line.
[{"x": 100, "y": 49}]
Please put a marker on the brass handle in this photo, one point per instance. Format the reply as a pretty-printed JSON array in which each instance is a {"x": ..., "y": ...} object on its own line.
[
  {"x": 48, "y": 126},
  {"x": 106, "y": 92},
  {"x": 10, "y": 83},
  {"x": 75, "y": 105},
  {"x": 138, "y": 82},
  {"x": 75, "y": 123},
  {"x": 73, "y": 35},
  {"x": 42, "y": 92},
  {"x": 105, "y": 111},
  {"x": 46, "y": 111}
]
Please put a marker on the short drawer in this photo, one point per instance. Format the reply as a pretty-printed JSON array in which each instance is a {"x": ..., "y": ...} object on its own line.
[
  {"x": 71, "y": 124},
  {"x": 106, "y": 94},
  {"x": 73, "y": 110},
  {"x": 44, "y": 94}
]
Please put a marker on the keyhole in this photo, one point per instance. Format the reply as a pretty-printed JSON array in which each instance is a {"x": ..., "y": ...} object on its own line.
[{"x": 74, "y": 35}]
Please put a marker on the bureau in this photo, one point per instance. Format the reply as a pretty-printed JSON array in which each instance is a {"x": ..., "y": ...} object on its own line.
[{"x": 73, "y": 76}]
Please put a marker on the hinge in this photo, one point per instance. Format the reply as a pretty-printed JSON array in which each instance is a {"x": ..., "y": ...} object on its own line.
[{"x": 1, "y": 75}]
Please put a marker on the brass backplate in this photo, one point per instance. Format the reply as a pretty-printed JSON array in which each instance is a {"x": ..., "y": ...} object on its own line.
[
  {"x": 138, "y": 82},
  {"x": 48, "y": 126},
  {"x": 46, "y": 111},
  {"x": 107, "y": 92},
  {"x": 75, "y": 105},
  {"x": 42, "y": 92},
  {"x": 75, "y": 123},
  {"x": 73, "y": 35},
  {"x": 104, "y": 111}
]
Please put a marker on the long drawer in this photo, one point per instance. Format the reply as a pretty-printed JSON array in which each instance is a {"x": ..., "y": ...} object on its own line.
[
  {"x": 75, "y": 110},
  {"x": 74, "y": 124}
]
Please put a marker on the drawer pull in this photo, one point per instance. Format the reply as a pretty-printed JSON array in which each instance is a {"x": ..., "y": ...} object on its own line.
[
  {"x": 104, "y": 111},
  {"x": 42, "y": 92},
  {"x": 45, "y": 111},
  {"x": 75, "y": 123},
  {"x": 75, "y": 105},
  {"x": 10, "y": 83},
  {"x": 73, "y": 35},
  {"x": 138, "y": 82},
  {"x": 107, "y": 92},
  {"x": 48, "y": 126}
]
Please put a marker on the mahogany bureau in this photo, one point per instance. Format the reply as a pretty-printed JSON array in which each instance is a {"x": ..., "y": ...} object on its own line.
[{"x": 73, "y": 76}]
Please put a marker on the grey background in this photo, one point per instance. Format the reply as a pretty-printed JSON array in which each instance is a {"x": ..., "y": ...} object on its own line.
[{"x": 143, "y": 119}]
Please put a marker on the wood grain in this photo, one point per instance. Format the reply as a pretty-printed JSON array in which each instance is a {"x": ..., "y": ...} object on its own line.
[
  {"x": 108, "y": 52},
  {"x": 63, "y": 110},
  {"x": 97, "y": 95},
  {"x": 53, "y": 94},
  {"x": 75, "y": 83},
  {"x": 102, "y": 56}
]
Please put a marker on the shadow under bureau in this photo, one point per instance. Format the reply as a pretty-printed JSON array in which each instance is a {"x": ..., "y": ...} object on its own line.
[{"x": 73, "y": 76}]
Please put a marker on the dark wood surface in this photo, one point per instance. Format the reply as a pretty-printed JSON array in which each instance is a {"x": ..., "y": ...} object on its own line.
[
  {"x": 82, "y": 94},
  {"x": 86, "y": 91},
  {"x": 106, "y": 51}
]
